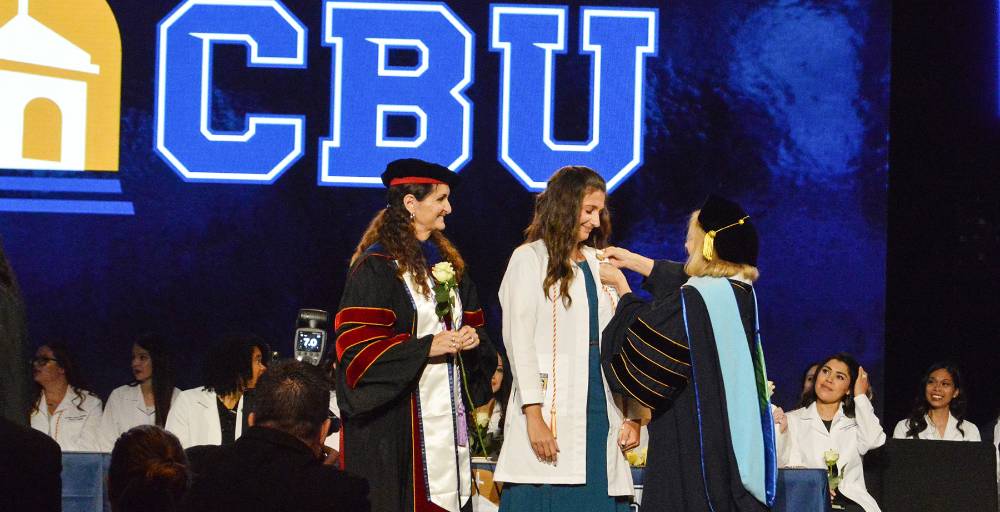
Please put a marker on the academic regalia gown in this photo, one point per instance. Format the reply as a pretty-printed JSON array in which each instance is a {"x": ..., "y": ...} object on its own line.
[
  {"x": 380, "y": 362},
  {"x": 691, "y": 464}
]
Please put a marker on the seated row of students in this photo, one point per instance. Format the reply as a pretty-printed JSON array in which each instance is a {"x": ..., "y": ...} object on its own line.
[
  {"x": 212, "y": 414},
  {"x": 938, "y": 411},
  {"x": 77, "y": 419},
  {"x": 835, "y": 419}
]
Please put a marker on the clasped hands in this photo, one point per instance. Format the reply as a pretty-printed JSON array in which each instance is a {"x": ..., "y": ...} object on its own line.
[{"x": 453, "y": 342}]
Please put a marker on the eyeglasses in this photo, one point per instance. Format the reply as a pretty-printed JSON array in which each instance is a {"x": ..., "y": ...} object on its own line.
[{"x": 41, "y": 361}]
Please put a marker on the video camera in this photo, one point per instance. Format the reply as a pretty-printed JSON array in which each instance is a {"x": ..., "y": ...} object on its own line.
[{"x": 310, "y": 335}]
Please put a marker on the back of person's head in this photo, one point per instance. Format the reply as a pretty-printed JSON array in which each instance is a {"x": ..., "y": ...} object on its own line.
[
  {"x": 292, "y": 397},
  {"x": 721, "y": 241},
  {"x": 229, "y": 364},
  {"x": 148, "y": 471}
]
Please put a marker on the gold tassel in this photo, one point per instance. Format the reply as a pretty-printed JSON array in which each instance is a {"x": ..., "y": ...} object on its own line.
[{"x": 708, "y": 246}]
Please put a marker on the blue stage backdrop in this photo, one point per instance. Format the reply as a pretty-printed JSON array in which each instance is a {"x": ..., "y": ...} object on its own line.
[{"x": 244, "y": 166}]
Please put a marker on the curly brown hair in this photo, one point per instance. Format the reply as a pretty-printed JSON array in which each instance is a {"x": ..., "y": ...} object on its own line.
[
  {"x": 393, "y": 228},
  {"x": 556, "y": 222}
]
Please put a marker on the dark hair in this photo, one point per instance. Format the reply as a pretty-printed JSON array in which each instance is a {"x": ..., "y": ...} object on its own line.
[
  {"x": 917, "y": 422},
  {"x": 852, "y": 370},
  {"x": 163, "y": 373},
  {"x": 229, "y": 365},
  {"x": 64, "y": 358},
  {"x": 8, "y": 279},
  {"x": 148, "y": 471},
  {"x": 814, "y": 366},
  {"x": 293, "y": 397},
  {"x": 393, "y": 228},
  {"x": 506, "y": 386},
  {"x": 556, "y": 222}
]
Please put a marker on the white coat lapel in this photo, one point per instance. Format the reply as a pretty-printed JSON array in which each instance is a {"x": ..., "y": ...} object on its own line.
[
  {"x": 814, "y": 420},
  {"x": 210, "y": 412},
  {"x": 136, "y": 400}
]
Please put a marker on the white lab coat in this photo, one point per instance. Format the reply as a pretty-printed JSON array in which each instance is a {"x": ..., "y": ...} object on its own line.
[
  {"x": 74, "y": 428},
  {"x": 126, "y": 408},
  {"x": 803, "y": 444},
  {"x": 996, "y": 446},
  {"x": 951, "y": 432},
  {"x": 527, "y": 334},
  {"x": 194, "y": 418}
]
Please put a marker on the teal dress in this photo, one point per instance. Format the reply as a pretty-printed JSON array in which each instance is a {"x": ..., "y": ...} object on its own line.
[{"x": 593, "y": 495}]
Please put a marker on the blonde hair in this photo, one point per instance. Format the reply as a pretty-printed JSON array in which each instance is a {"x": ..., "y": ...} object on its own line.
[{"x": 698, "y": 266}]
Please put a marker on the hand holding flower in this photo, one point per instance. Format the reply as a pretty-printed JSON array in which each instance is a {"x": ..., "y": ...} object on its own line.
[
  {"x": 468, "y": 338},
  {"x": 444, "y": 343}
]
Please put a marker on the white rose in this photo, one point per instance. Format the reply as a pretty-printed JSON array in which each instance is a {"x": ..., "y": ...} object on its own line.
[
  {"x": 443, "y": 272},
  {"x": 482, "y": 419},
  {"x": 831, "y": 457}
]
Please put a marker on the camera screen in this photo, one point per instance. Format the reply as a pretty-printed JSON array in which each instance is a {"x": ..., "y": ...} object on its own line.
[{"x": 308, "y": 341}]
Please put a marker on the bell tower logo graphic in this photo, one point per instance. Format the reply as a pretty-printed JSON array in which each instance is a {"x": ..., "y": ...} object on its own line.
[{"x": 60, "y": 73}]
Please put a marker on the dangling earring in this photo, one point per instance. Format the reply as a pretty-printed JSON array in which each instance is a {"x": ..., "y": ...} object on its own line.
[{"x": 412, "y": 216}]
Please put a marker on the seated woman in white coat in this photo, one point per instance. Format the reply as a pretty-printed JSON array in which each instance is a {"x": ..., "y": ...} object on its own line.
[
  {"x": 838, "y": 418},
  {"x": 491, "y": 413},
  {"x": 213, "y": 414},
  {"x": 62, "y": 407},
  {"x": 564, "y": 433},
  {"x": 939, "y": 410},
  {"x": 147, "y": 399}
]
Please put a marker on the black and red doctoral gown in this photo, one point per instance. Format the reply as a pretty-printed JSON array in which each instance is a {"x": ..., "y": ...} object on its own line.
[
  {"x": 691, "y": 465},
  {"x": 380, "y": 361}
]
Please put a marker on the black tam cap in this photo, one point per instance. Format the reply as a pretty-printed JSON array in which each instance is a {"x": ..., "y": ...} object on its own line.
[
  {"x": 415, "y": 171},
  {"x": 729, "y": 234}
]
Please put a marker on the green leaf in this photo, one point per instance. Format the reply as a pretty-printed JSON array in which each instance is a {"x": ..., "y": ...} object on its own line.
[{"x": 442, "y": 310}]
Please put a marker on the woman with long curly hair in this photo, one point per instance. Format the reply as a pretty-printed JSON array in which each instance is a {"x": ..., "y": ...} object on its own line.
[
  {"x": 413, "y": 357},
  {"x": 62, "y": 406},
  {"x": 147, "y": 399},
  {"x": 939, "y": 409},
  {"x": 564, "y": 432}
]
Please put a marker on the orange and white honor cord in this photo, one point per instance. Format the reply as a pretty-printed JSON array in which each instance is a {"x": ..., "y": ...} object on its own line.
[{"x": 552, "y": 410}]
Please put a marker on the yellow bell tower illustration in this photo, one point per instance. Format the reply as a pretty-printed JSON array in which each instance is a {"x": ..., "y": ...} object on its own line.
[{"x": 60, "y": 77}]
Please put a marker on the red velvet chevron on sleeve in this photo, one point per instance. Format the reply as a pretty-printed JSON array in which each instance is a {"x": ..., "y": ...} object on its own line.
[
  {"x": 365, "y": 316},
  {"x": 360, "y": 334},
  {"x": 367, "y": 357},
  {"x": 474, "y": 319}
]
